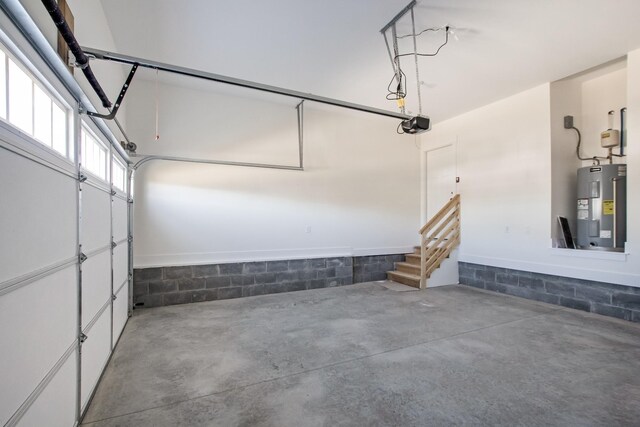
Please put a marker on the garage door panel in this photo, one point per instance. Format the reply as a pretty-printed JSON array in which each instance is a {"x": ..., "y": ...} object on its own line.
[
  {"x": 95, "y": 231},
  {"x": 120, "y": 312},
  {"x": 120, "y": 217},
  {"x": 40, "y": 323},
  {"x": 120, "y": 264},
  {"x": 56, "y": 405},
  {"x": 96, "y": 285},
  {"x": 95, "y": 353},
  {"x": 37, "y": 215}
]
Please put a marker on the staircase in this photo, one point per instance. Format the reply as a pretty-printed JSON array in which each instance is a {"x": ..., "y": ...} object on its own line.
[{"x": 438, "y": 238}]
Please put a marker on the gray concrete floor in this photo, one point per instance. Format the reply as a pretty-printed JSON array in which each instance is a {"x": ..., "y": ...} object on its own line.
[{"x": 366, "y": 355}]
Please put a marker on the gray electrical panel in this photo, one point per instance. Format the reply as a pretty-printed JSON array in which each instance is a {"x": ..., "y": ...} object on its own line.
[{"x": 602, "y": 207}]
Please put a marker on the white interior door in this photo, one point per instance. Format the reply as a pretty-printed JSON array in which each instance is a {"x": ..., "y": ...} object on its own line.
[{"x": 441, "y": 178}]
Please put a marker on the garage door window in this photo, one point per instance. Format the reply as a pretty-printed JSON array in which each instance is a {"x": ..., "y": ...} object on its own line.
[
  {"x": 94, "y": 154},
  {"x": 28, "y": 106}
]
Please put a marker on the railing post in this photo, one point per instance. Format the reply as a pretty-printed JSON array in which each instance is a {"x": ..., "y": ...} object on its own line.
[{"x": 423, "y": 262}]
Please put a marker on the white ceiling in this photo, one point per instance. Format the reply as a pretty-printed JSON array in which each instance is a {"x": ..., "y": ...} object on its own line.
[{"x": 333, "y": 47}]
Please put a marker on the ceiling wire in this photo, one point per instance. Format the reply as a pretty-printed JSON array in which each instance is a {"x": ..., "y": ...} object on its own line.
[{"x": 157, "y": 108}]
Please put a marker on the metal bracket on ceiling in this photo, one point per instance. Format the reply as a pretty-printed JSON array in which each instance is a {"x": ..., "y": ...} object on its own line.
[{"x": 123, "y": 92}]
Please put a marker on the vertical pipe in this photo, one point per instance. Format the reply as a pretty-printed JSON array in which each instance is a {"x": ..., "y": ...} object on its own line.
[
  {"x": 300, "y": 110},
  {"x": 615, "y": 212},
  {"x": 623, "y": 119},
  {"x": 415, "y": 54}
]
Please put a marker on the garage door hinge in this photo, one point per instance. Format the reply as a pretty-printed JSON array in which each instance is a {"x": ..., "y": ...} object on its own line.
[
  {"x": 130, "y": 200},
  {"x": 83, "y": 337},
  {"x": 130, "y": 239},
  {"x": 113, "y": 192},
  {"x": 113, "y": 245},
  {"x": 82, "y": 257},
  {"x": 82, "y": 177},
  {"x": 113, "y": 297}
]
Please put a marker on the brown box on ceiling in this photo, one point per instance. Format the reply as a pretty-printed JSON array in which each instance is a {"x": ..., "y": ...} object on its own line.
[{"x": 63, "y": 50}]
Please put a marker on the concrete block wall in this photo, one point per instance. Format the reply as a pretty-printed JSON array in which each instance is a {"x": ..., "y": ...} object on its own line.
[
  {"x": 154, "y": 287},
  {"x": 372, "y": 268},
  {"x": 607, "y": 299}
]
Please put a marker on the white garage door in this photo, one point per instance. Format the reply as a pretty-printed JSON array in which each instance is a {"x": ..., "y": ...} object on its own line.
[{"x": 64, "y": 260}]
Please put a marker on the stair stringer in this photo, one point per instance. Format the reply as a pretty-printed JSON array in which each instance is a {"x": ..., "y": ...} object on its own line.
[{"x": 447, "y": 273}]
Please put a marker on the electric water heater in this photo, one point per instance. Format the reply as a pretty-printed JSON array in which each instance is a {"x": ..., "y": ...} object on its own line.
[{"x": 602, "y": 207}]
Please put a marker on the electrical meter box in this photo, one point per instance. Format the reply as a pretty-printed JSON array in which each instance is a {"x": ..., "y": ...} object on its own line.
[{"x": 610, "y": 138}]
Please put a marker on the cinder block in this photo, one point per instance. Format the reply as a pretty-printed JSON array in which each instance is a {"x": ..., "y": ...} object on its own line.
[
  {"x": 371, "y": 268},
  {"x": 318, "y": 263},
  {"x": 262, "y": 278},
  {"x": 254, "y": 267},
  {"x": 242, "y": 280},
  {"x": 286, "y": 276},
  {"x": 608, "y": 310},
  {"x": 298, "y": 285},
  {"x": 528, "y": 281},
  {"x": 307, "y": 274},
  {"x": 476, "y": 283},
  {"x": 147, "y": 274},
  {"x": 299, "y": 264},
  {"x": 597, "y": 295},
  {"x": 335, "y": 262},
  {"x": 626, "y": 300},
  {"x": 148, "y": 301},
  {"x": 162, "y": 286},
  {"x": 316, "y": 284},
  {"x": 206, "y": 270},
  {"x": 218, "y": 282},
  {"x": 575, "y": 303},
  {"x": 559, "y": 288},
  {"x": 190, "y": 284},
  {"x": 507, "y": 279},
  {"x": 275, "y": 266},
  {"x": 345, "y": 271},
  {"x": 378, "y": 275},
  {"x": 183, "y": 272},
  {"x": 204, "y": 295},
  {"x": 348, "y": 261},
  {"x": 231, "y": 269},
  {"x": 487, "y": 276},
  {"x": 327, "y": 272},
  {"x": 548, "y": 298},
  {"x": 228, "y": 293},
  {"x": 275, "y": 288},
  {"x": 349, "y": 280},
  {"x": 176, "y": 298},
  {"x": 254, "y": 290},
  {"x": 140, "y": 288},
  {"x": 496, "y": 287}
]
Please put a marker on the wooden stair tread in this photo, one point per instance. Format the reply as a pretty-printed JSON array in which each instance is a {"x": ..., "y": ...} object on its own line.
[
  {"x": 404, "y": 278},
  {"x": 407, "y": 267}
]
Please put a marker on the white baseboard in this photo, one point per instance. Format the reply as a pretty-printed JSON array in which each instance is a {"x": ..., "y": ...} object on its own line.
[{"x": 167, "y": 260}]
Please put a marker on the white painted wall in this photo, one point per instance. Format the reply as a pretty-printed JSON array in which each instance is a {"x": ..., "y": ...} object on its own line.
[
  {"x": 504, "y": 161},
  {"x": 599, "y": 96},
  {"x": 359, "y": 193}
]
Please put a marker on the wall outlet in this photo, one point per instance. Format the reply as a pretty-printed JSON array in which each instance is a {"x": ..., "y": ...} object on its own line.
[{"x": 568, "y": 122}]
